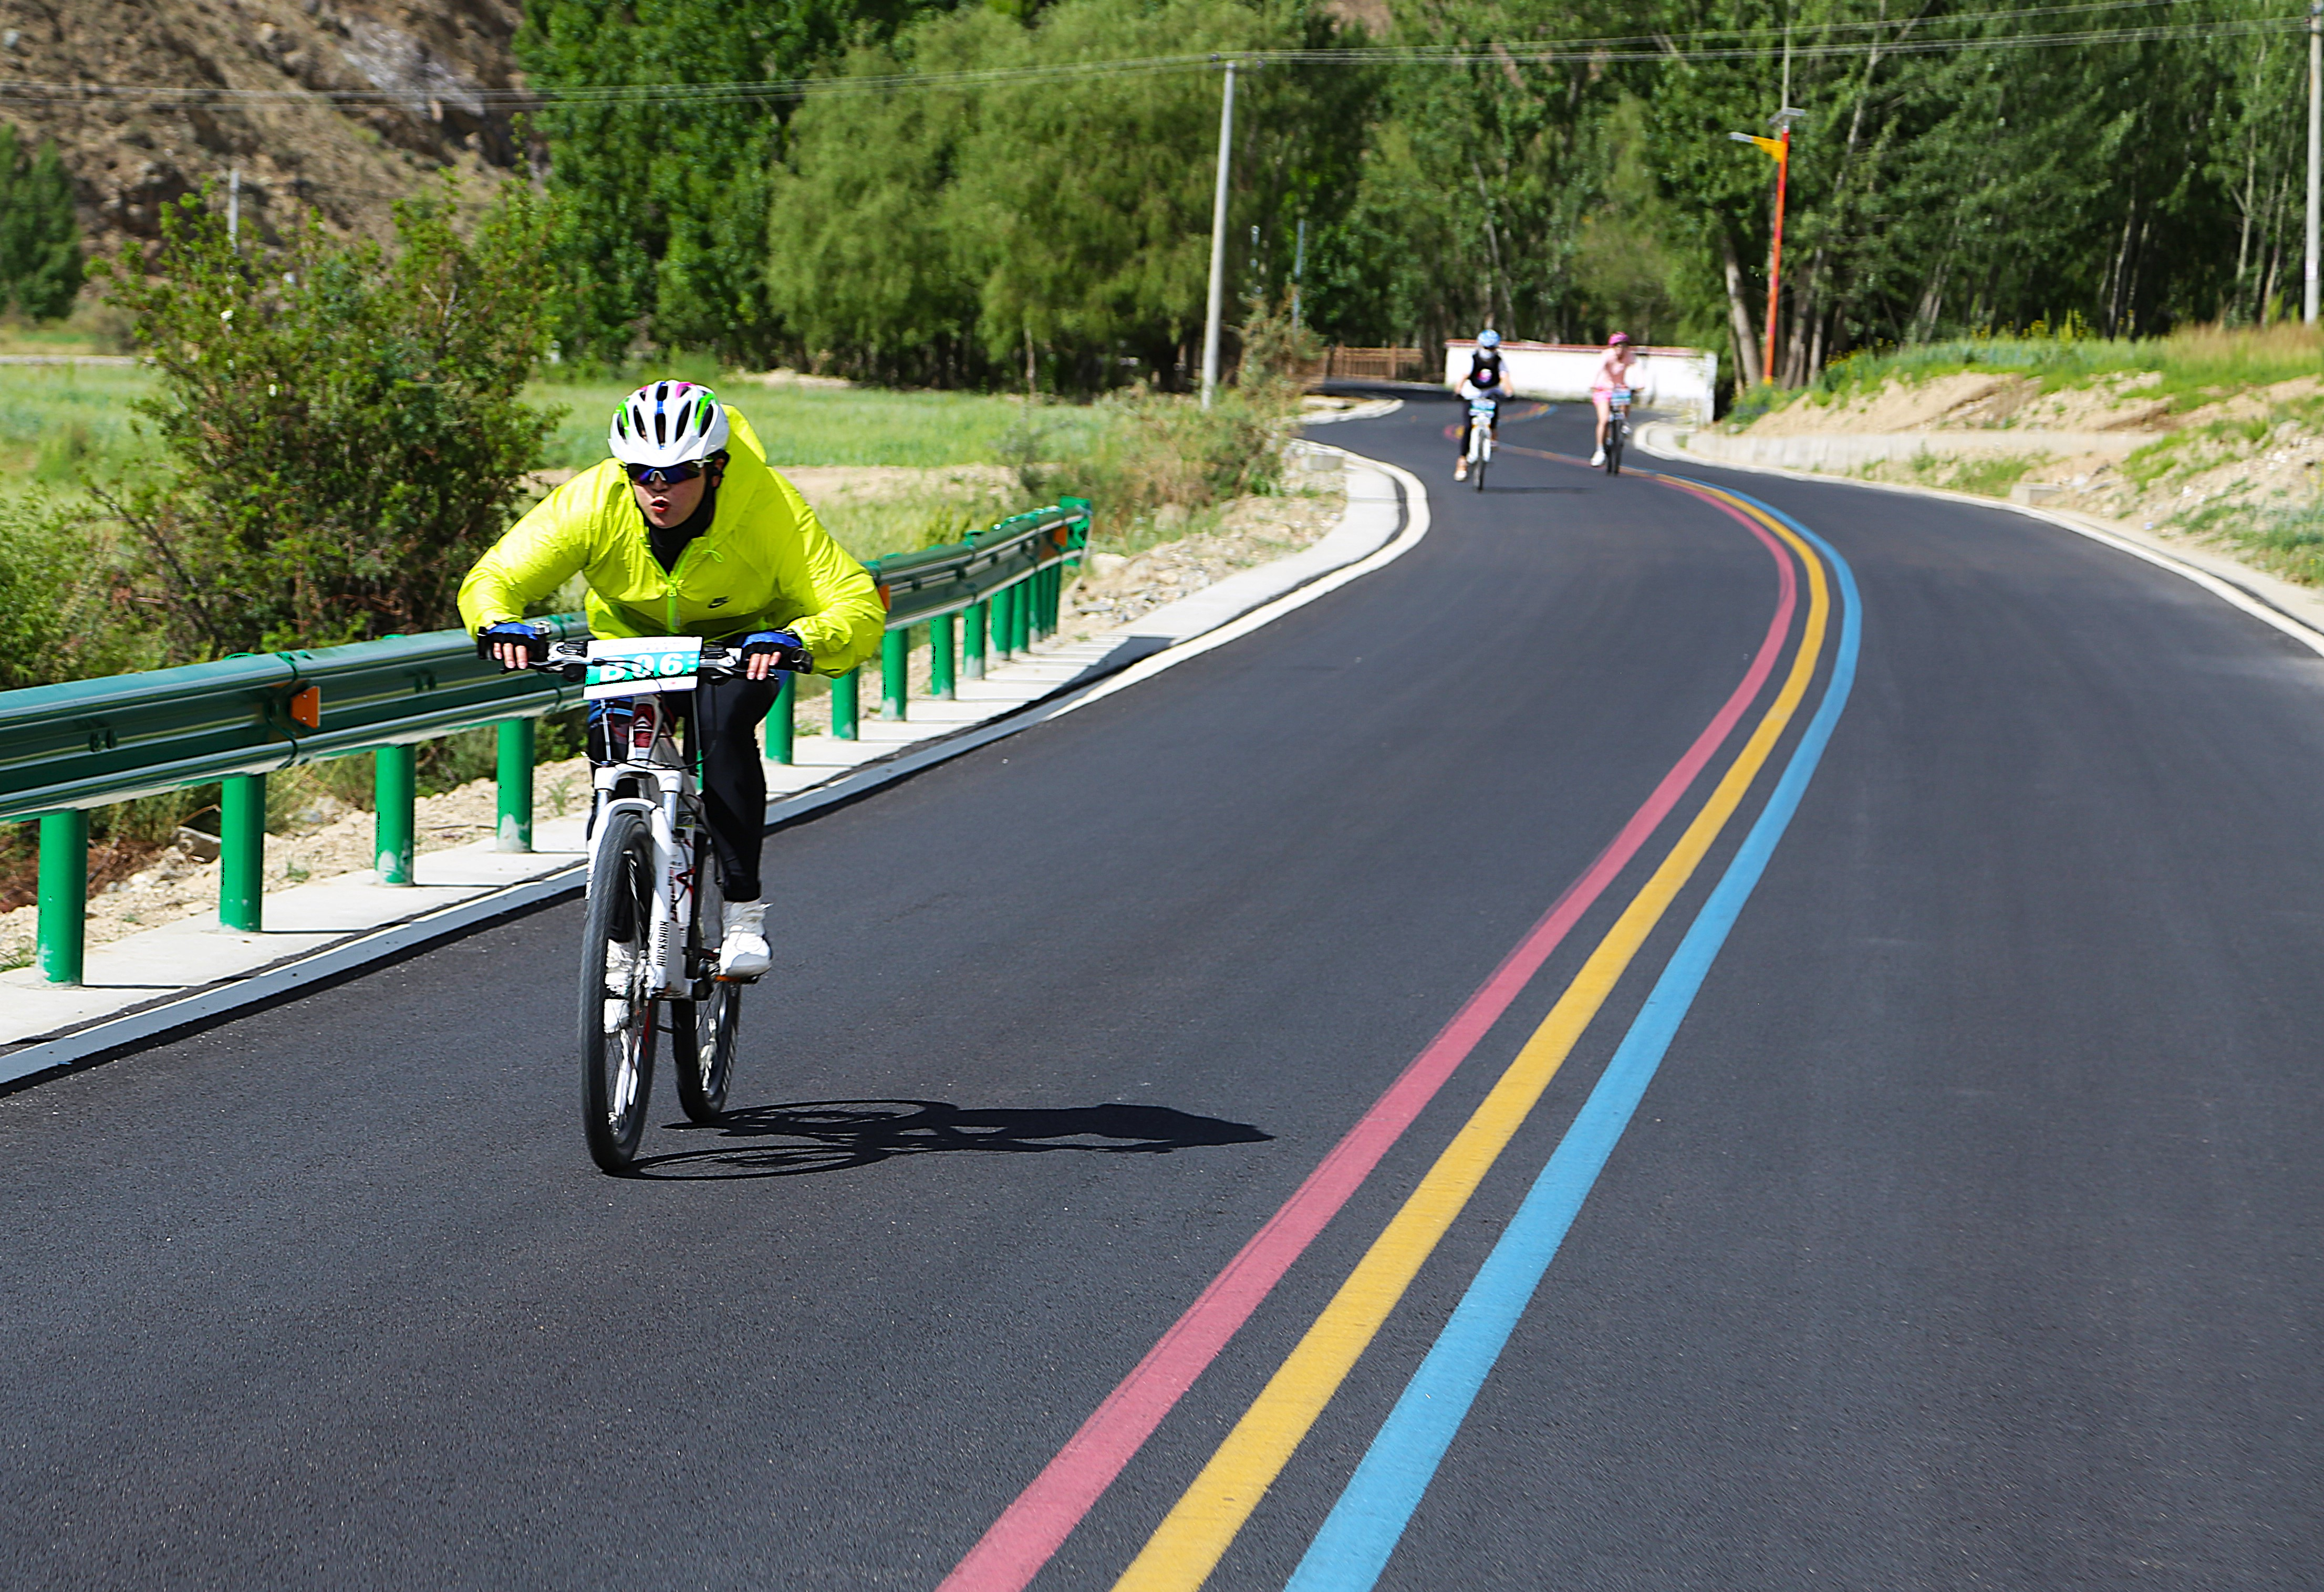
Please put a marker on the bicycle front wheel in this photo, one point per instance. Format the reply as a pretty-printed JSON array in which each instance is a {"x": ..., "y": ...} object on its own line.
[
  {"x": 1614, "y": 437},
  {"x": 618, "y": 1013}
]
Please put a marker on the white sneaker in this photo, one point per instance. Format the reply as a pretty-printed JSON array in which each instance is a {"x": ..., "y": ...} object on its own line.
[
  {"x": 1461, "y": 471},
  {"x": 743, "y": 952},
  {"x": 1598, "y": 460}
]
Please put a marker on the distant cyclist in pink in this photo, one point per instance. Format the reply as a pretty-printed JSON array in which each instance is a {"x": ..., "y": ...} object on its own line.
[{"x": 1613, "y": 371}]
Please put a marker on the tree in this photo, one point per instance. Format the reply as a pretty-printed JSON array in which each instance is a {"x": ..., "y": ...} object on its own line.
[
  {"x": 40, "y": 235},
  {"x": 661, "y": 218},
  {"x": 1063, "y": 220},
  {"x": 342, "y": 424}
]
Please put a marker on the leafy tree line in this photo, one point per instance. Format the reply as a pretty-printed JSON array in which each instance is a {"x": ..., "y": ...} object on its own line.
[{"x": 1947, "y": 174}]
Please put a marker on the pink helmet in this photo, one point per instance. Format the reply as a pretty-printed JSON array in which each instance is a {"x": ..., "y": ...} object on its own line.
[{"x": 1616, "y": 338}]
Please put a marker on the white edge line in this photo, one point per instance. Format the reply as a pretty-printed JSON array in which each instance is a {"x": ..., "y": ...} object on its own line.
[
  {"x": 135, "y": 1027},
  {"x": 2227, "y": 591}
]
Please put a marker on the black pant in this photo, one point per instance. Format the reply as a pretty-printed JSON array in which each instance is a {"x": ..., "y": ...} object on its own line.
[{"x": 724, "y": 717}]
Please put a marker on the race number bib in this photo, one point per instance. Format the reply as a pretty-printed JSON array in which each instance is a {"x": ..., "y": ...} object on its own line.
[{"x": 642, "y": 663}]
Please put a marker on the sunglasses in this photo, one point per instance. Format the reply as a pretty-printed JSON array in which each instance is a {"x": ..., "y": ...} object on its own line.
[{"x": 663, "y": 474}]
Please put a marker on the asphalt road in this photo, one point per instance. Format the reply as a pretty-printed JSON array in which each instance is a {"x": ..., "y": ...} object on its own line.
[{"x": 1967, "y": 1235}]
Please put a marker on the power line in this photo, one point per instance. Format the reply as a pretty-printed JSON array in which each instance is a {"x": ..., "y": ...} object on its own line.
[{"x": 1742, "y": 45}]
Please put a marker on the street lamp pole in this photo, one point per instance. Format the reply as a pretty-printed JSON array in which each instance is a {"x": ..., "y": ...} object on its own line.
[
  {"x": 1218, "y": 244},
  {"x": 1775, "y": 249},
  {"x": 1780, "y": 148}
]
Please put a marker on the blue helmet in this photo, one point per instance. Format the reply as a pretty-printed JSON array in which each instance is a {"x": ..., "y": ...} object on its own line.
[{"x": 1489, "y": 339}]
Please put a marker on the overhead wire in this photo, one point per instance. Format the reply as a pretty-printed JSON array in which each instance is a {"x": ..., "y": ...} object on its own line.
[{"x": 1910, "y": 37}]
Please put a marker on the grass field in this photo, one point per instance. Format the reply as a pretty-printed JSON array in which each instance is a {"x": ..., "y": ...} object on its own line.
[
  {"x": 52, "y": 417},
  {"x": 56, "y": 421}
]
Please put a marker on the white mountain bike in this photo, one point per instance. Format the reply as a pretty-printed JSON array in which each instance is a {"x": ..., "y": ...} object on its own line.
[
  {"x": 1617, "y": 427},
  {"x": 650, "y": 940},
  {"x": 1482, "y": 411}
]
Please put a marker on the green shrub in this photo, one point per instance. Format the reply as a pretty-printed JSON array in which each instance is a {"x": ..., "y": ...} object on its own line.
[
  {"x": 341, "y": 426},
  {"x": 60, "y": 614},
  {"x": 1136, "y": 452},
  {"x": 39, "y": 236}
]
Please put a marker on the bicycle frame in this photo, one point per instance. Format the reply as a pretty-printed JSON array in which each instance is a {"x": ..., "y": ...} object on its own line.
[
  {"x": 1482, "y": 412},
  {"x": 647, "y": 770},
  {"x": 660, "y": 765}
]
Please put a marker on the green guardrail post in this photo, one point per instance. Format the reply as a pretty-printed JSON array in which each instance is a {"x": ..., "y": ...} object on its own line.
[
  {"x": 1004, "y": 623},
  {"x": 940, "y": 675},
  {"x": 1021, "y": 629},
  {"x": 395, "y": 779},
  {"x": 780, "y": 730},
  {"x": 894, "y": 671},
  {"x": 972, "y": 639},
  {"x": 517, "y": 742},
  {"x": 844, "y": 707},
  {"x": 64, "y": 895},
  {"x": 241, "y": 852}
]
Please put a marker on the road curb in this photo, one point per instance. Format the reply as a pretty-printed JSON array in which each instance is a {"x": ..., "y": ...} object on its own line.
[
  {"x": 1653, "y": 439},
  {"x": 1297, "y": 580}
]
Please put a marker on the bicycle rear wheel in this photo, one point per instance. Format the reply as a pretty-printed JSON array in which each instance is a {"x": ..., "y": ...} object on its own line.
[
  {"x": 618, "y": 1015},
  {"x": 701, "y": 1033}
]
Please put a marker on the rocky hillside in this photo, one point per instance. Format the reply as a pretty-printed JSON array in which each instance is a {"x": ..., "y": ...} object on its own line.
[{"x": 149, "y": 98}]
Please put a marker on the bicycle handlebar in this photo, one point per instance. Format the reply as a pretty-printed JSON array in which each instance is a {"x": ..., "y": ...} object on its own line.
[{"x": 569, "y": 661}]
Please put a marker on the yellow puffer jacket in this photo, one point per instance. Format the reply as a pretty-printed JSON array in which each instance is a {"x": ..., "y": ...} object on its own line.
[{"x": 765, "y": 564}]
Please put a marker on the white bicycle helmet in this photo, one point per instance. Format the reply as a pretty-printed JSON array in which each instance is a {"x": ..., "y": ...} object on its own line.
[{"x": 668, "y": 423}]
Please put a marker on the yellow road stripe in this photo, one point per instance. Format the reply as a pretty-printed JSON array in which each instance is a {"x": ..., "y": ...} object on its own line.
[{"x": 1188, "y": 1545}]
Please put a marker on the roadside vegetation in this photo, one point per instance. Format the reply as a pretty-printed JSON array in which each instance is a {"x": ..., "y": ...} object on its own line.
[{"x": 2190, "y": 367}]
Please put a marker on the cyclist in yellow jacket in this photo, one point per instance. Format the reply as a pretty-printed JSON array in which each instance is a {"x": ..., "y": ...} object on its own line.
[{"x": 682, "y": 533}]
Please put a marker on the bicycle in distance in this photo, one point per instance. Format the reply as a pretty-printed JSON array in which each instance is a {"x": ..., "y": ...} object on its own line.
[
  {"x": 651, "y": 936},
  {"x": 1617, "y": 427},
  {"x": 1482, "y": 412}
]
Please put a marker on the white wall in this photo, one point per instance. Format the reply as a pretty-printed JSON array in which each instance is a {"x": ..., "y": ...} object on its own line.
[{"x": 1673, "y": 381}]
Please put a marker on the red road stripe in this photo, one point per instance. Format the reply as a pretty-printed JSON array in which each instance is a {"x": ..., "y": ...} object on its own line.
[{"x": 1032, "y": 1529}]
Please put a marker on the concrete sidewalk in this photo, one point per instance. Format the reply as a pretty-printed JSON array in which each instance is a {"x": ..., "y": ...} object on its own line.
[{"x": 193, "y": 970}]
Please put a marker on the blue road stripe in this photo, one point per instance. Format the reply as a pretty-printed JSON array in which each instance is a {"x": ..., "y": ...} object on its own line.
[{"x": 1365, "y": 1525}]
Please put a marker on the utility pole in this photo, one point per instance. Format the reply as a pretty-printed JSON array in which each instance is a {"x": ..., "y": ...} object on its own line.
[
  {"x": 2315, "y": 147},
  {"x": 1218, "y": 243},
  {"x": 1299, "y": 263}
]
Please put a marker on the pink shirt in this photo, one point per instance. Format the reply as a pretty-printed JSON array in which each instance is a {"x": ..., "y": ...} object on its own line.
[{"x": 1614, "y": 370}]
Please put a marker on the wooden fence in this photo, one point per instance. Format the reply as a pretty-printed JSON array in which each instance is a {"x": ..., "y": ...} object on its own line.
[{"x": 1368, "y": 365}]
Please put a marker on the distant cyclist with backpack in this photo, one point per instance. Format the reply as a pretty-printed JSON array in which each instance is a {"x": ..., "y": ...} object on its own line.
[
  {"x": 681, "y": 533},
  {"x": 1488, "y": 378}
]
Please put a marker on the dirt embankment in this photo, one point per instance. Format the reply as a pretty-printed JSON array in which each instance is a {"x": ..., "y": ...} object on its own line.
[
  {"x": 2115, "y": 447},
  {"x": 166, "y": 114}
]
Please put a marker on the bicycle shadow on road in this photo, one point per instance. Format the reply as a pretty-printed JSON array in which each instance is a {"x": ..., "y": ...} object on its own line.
[{"x": 839, "y": 1135}]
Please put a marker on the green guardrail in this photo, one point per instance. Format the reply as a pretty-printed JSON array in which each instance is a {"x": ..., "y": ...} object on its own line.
[{"x": 65, "y": 749}]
